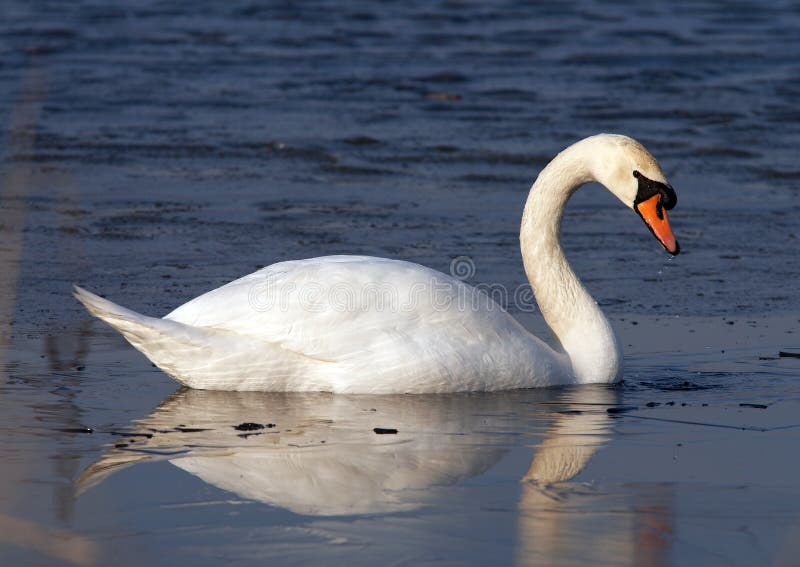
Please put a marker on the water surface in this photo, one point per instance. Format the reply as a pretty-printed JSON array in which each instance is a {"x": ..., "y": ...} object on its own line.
[{"x": 156, "y": 151}]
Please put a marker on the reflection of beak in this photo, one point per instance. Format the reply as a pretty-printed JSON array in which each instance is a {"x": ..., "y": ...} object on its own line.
[{"x": 655, "y": 216}]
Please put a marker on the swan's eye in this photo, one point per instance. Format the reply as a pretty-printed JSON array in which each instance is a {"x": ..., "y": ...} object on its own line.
[{"x": 636, "y": 173}]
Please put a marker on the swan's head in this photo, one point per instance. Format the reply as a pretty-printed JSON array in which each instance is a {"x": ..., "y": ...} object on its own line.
[{"x": 631, "y": 173}]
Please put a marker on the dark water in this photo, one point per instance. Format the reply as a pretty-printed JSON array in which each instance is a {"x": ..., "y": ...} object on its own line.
[{"x": 157, "y": 150}]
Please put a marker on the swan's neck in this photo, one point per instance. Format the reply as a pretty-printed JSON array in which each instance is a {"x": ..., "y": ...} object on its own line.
[{"x": 573, "y": 316}]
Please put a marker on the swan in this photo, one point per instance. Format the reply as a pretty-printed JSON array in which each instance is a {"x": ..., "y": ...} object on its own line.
[{"x": 359, "y": 324}]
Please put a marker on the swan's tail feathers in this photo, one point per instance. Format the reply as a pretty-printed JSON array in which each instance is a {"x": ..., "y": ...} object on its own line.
[
  {"x": 164, "y": 342},
  {"x": 123, "y": 320},
  {"x": 202, "y": 357},
  {"x": 135, "y": 327}
]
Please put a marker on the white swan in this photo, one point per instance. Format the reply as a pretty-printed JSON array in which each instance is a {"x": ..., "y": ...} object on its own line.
[{"x": 359, "y": 324}]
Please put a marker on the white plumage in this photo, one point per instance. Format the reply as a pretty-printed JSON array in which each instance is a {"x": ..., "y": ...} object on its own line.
[{"x": 343, "y": 324}]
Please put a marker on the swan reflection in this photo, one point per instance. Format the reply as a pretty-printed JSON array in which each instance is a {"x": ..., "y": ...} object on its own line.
[{"x": 323, "y": 458}]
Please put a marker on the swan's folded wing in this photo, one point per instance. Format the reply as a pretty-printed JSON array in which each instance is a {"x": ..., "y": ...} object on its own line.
[{"x": 340, "y": 306}]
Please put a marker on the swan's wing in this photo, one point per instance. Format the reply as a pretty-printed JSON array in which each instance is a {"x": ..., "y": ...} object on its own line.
[{"x": 335, "y": 307}]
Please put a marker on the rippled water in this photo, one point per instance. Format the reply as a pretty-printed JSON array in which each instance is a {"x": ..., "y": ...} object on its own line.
[{"x": 155, "y": 151}]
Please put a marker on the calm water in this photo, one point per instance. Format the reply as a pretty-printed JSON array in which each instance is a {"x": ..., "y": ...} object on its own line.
[{"x": 156, "y": 151}]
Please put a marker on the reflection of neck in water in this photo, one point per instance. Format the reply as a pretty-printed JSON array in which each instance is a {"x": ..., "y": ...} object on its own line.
[
  {"x": 575, "y": 435},
  {"x": 322, "y": 457},
  {"x": 544, "y": 527},
  {"x": 567, "y": 523}
]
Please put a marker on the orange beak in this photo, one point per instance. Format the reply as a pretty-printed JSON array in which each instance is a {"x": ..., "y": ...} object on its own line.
[{"x": 655, "y": 216}]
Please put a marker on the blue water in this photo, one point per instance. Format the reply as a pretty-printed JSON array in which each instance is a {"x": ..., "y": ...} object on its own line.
[{"x": 157, "y": 150}]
